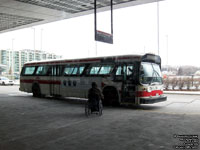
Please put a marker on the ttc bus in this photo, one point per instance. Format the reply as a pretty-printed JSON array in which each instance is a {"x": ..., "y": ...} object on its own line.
[{"x": 127, "y": 79}]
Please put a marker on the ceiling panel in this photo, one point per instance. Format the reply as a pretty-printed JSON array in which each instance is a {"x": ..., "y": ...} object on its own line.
[
  {"x": 17, "y": 14},
  {"x": 8, "y": 21},
  {"x": 72, "y": 6}
]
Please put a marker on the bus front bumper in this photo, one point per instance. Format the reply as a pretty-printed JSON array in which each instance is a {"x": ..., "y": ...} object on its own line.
[{"x": 152, "y": 100}]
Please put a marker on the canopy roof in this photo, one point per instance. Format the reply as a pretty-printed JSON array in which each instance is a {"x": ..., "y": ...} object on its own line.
[{"x": 17, "y": 14}]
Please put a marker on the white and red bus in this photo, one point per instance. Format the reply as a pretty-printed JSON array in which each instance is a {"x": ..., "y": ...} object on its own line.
[{"x": 134, "y": 79}]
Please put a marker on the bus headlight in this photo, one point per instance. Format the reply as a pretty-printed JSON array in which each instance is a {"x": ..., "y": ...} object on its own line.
[{"x": 149, "y": 89}]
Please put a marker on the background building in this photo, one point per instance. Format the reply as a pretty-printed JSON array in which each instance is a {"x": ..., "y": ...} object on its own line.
[{"x": 14, "y": 60}]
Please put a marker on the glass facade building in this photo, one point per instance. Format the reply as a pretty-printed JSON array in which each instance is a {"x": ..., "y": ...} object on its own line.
[{"x": 14, "y": 60}]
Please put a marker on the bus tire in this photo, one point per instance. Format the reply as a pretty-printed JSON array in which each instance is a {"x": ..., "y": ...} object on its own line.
[
  {"x": 110, "y": 96},
  {"x": 36, "y": 91}
]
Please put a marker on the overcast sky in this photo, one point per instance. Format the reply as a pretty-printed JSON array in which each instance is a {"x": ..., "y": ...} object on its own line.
[{"x": 135, "y": 32}]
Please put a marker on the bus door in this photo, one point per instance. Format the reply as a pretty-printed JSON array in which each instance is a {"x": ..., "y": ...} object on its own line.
[
  {"x": 55, "y": 81},
  {"x": 128, "y": 83}
]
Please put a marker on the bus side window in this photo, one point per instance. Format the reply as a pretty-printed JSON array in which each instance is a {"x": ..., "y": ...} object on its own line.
[
  {"x": 94, "y": 70},
  {"x": 42, "y": 70},
  {"x": 118, "y": 71},
  {"x": 39, "y": 70},
  {"x": 28, "y": 71},
  {"x": 124, "y": 72},
  {"x": 75, "y": 71},
  {"x": 68, "y": 70},
  {"x": 129, "y": 70},
  {"x": 105, "y": 70},
  {"x": 81, "y": 69}
]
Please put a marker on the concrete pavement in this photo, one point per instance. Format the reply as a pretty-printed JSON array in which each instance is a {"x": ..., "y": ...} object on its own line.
[{"x": 28, "y": 123}]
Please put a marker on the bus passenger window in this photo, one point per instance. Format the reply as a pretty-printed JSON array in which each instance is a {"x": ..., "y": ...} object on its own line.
[
  {"x": 81, "y": 69},
  {"x": 94, "y": 70},
  {"x": 68, "y": 70},
  {"x": 29, "y": 70},
  {"x": 129, "y": 70},
  {"x": 42, "y": 70},
  {"x": 105, "y": 70},
  {"x": 75, "y": 71},
  {"x": 119, "y": 71}
]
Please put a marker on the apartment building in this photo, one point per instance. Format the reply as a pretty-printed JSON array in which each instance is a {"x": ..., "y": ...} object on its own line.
[{"x": 14, "y": 60}]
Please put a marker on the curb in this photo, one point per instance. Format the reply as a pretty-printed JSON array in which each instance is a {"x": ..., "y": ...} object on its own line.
[{"x": 182, "y": 92}]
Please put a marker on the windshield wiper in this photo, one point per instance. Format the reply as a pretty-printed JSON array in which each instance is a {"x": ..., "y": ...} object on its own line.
[{"x": 154, "y": 72}]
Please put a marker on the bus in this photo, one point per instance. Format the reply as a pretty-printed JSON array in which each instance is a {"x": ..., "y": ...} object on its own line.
[{"x": 125, "y": 79}]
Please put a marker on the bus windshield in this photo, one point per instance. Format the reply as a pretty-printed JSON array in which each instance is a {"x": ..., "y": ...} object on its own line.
[{"x": 150, "y": 73}]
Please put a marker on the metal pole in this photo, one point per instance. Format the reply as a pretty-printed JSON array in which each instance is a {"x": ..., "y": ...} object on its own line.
[
  {"x": 41, "y": 40},
  {"x": 95, "y": 23},
  {"x": 12, "y": 73},
  {"x": 111, "y": 6},
  {"x": 96, "y": 47},
  {"x": 167, "y": 47},
  {"x": 33, "y": 43},
  {"x": 95, "y": 18},
  {"x": 158, "y": 28}
]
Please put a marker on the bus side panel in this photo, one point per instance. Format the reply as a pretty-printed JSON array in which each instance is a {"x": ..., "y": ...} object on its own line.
[
  {"x": 26, "y": 84},
  {"x": 44, "y": 84},
  {"x": 77, "y": 86},
  {"x": 67, "y": 87}
]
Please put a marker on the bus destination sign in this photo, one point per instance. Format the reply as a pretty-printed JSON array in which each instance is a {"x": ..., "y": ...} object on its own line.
[{"x": 104, "y": 37}]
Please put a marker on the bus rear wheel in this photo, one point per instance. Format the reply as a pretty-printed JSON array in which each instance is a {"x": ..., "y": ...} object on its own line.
[
  {"x": 110, "y": 97},
  {"x": 36, "y": 91}
]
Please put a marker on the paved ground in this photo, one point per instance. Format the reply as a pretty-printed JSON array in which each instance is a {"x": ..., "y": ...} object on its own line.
[{"x": 28, "y": 123}]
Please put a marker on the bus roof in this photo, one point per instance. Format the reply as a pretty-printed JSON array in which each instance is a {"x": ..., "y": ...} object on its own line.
[{"x": 89, "y": 60}]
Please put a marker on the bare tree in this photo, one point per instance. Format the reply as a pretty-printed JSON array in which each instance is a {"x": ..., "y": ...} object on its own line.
[
  {"x": 174, "y": 82},
  {"x": 181, "y": 83},
  {"x": 188, "y": 82},
  {"x": 166, "y": 82},
  {"x": 196, "y": 82}
]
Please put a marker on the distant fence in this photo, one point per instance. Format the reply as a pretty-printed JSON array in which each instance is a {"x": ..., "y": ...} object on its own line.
[{"x": 183, "y": 83}]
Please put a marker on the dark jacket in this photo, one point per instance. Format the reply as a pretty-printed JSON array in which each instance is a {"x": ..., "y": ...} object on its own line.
[{"x": 95, "y": 94}]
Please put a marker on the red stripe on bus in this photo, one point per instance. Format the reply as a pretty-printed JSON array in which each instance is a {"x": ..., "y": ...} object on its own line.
[
  {"x": 41, "y": 81},
  {"x": 148, "y": 94}
]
